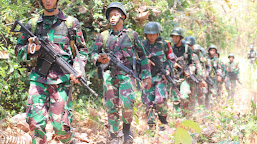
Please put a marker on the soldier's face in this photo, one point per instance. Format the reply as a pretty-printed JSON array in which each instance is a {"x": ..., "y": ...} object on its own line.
[
  {"x": 176, "y": 39},
  {"x": 212, "y": 52},
  {"x": 114, "y": 16},
  {"x": 49, "y": 4},
  {"x": 231, "y": 58},
  {"x": 152, "y": 37}
]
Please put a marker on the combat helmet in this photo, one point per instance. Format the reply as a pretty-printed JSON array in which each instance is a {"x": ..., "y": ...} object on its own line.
[
  {"x": 231, "y": 55},
  {"x": 160, "y": 27},
  {"x": 117, "y": 5},
  {"x": 212, "y": 47},
  {"x": 177, "y": 31},
  {"x": 190, "y": 40},
  {"x": 152, "y": 28}
]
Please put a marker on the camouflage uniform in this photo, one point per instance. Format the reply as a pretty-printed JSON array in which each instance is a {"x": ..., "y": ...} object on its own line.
[
  {"x": 252, "y": 56},
  {"x": 119, "y": 92},
  {"x": 232, "y": 76},
  {"x": 223, "y": 75},
  {"x": 48, "y": 95},
  {"x": 183, "y": 83},
  {"x": 213, "y": 90},
  {"x": 197, "y": 91},
  {"x": 156, "y": 96}
]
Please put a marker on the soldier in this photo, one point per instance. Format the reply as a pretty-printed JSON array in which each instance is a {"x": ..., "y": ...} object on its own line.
[
  {"x": 179, "y": 50},
  {"x": 183, "y": 53},
  {"x": 205, "y": 63},
  {"x": 49, "y": 93},
  {"x": 156, "y": 96},
  {"x": 252, "y": 55},
  {"x": 196, "y": 87},
  {"x": 232, "y": 70},
  {"x": 215, "y": 75},
  {"x": 223, "y": 74},
  {"x": 118, "y": 88}
]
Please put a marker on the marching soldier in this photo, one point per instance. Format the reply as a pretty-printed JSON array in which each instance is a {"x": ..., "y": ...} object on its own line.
[
  {"x": 50, "y": 89},
  {"x": 252, "y": 56},
  {"x": 232, "y": 70},
  {"x": 196, "y": 70},
  {"x": 119, "y": 91},
  {"x": 156, "y": 96},
  {"x": 215, "y": 75}
]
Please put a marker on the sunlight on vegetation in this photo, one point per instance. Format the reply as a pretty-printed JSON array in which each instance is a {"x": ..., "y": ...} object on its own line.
[{"x": 231, "y": 25}]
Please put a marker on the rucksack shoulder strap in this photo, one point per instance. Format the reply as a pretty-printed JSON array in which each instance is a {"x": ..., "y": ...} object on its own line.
[
  {"x": 69, "y": 22},
  {"x": 34, "y": 23},
  {"x": 130, "y": 34},
  {"x": 105, "y": 35}
]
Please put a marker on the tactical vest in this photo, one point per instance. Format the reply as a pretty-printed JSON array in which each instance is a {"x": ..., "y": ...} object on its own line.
[
  {"x": 136, "y": 66},
  {"x": 63, "y": 28},
  {"x": 160, "y": 52}
]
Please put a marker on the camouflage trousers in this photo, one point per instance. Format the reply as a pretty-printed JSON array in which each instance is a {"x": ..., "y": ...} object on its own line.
[
  {"x": 49, "y": 102},
  {"x": 156, "y": 99},
  {"x": 230, "y": 85},
  {"x": 187, "y": 100},
  {"x": 212, "y": 93},
  {"x": 119, "y": 93},
  {"x": 220, "y": 89}
]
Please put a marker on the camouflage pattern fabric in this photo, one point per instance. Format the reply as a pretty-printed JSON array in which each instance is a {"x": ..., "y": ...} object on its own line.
[
  {"x": 118, "y": 94},
  {"x": 196, "y": 69},
  {"x": 119, "y": 89},
  {"x": 156, "y": 97},
  {"x": 252, "y": 56},
  {"x": 48, "y": 95},
  {"x": 232, "y": 70},
  {"x": 49, "y": 101},
  {"x": 223, "y": 72},
  {"x": 212, "y": 90},
  {"x": 59, "y": 36}
]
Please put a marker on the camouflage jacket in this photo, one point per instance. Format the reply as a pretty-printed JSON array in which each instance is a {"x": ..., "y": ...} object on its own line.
[
  {"x": 195, "y": 67},
  {"x": 122, "y": 47},
  {"x": 222, "y": 67},
  {"x": 56, "y": 30},
  {"x": 160, "y": 49},
  {"x": 214, "y": 65},
  {"x": 252, "y": 55},
  {"x": 232, "y": 69}
]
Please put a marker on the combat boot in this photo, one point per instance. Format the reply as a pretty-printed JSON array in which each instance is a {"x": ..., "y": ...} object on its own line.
[
  {"x": 163, "y": 120},
  {"x": 114, "y": 139},
  {"x": 128, "y": 138}
]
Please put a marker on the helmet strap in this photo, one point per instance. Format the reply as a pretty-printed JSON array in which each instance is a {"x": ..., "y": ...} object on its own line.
[
  {"x": 116, "y": 22},
  {"x": 177, "y": 42}
]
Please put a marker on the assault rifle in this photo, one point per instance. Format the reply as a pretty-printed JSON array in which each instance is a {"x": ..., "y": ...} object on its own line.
[
  {"x": 208, "y": 80},
  {"x": 116, "y": 63},
  {"x": 185, "y": 68},
  {"x": 160, "y": 67},
  {"x": 51, "y": 56}
]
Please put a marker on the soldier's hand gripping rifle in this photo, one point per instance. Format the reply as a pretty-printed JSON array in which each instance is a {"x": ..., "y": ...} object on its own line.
[
  {"x": 186, "y": 69},
  {"x": 47, "y": 49},
  {"x": 114, "y": 61}
]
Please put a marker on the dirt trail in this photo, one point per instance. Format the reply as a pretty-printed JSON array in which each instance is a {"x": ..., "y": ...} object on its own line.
[{"x": 247, "y": 91}]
